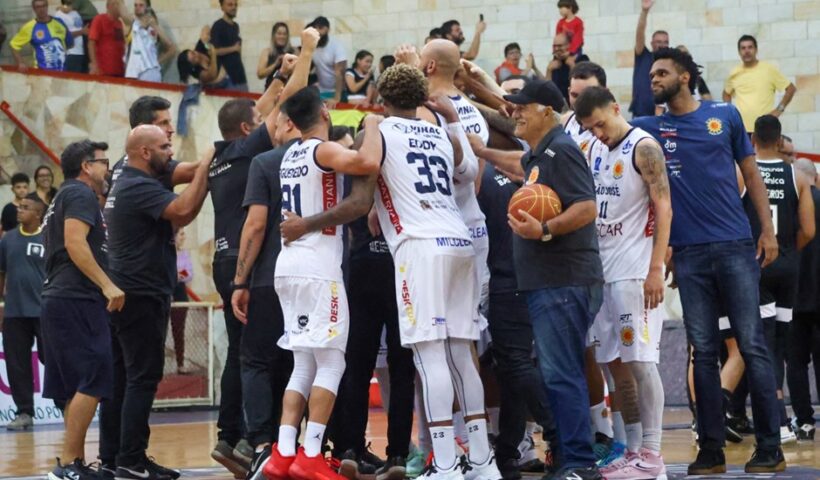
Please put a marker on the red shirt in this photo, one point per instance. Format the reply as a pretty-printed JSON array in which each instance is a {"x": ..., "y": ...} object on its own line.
[
  {"x": 110, "y": 41},
  {"x": 574, "y": 29},
  {"x": 510, "y": 67}
]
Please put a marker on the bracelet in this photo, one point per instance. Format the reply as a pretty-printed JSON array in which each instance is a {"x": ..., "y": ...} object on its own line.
[
  {"x": 278, "y": 76},
  {"x": 239, "y": 286},
  {"x": 780, "y": 108}
]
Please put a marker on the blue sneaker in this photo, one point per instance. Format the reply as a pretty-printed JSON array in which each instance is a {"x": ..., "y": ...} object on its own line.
[{"x": 617, "y": 451}]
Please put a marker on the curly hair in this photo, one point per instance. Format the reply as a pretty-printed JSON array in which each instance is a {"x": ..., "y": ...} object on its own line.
[
  {"x": 403, "y": 86},
  {"x": 684, "y": 63}
]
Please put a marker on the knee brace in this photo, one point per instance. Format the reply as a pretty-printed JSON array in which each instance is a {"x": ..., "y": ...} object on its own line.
[{"x": 330, "y": 368}]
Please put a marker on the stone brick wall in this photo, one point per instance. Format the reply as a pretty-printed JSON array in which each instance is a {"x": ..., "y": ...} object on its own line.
[{"x": 787, "y": 30}]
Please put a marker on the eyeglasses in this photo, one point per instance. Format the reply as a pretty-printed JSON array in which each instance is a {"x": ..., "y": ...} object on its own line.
[{"x": 99, "y": 160}]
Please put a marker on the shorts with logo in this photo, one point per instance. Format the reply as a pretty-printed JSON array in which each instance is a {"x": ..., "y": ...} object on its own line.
[
  {"x": 436, "y": 290},
  {"x": 624, "y": 328},
  {"x": 315, "y": 313}
]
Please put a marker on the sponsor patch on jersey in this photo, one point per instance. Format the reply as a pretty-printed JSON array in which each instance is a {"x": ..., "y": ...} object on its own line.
[
  {"x": 439, "y": 321},
  {"x": 533, "y": 175},
  {"x": 627, "y": 336},
  {"x": 407, "y": 303},
  {"x": 332, "y": 332},
  {"x": 334, "y": 302},
  {"x": 714, "y": 126},
  {"x": 303, "y": 321},
  {"x": 618, "y": 169},
  {"x": 627, "y": 147},
  {"x": 584, "y": 146},
  {"x": 39, "y": 34}
]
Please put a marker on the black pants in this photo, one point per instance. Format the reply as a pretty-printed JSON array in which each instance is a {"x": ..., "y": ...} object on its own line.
[
  {"x": 19, "y": 335},
  {"x": 804, "y": 345},
  {"x": 265, "y": 367},
  {"x": 371, "y": 295},
  {"x": 231, "y": 420},
  {"x": 522, "y": 390},
  {"x": 138, "y": 347}
]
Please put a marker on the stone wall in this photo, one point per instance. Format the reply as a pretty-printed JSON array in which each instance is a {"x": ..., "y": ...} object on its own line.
[{"x": 787, "y": 31}]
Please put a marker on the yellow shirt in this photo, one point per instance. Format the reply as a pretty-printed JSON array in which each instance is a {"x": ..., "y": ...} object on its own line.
[{"x": 753, "y": 90}]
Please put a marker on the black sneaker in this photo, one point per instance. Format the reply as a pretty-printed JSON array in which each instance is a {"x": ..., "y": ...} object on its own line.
[
  {"x": 766, "y": 461},
  {"x": 732, "y": 435},
  {"x": 160, "y": 470},
  {"x": 509, "y": 469},
  {"x": 589, "y": 473},
  {"x": 75, "y": 470},
  {"x": 741, "y": 425},
  {"x": 709, "y": 462},
  {"x": 395, "y": 468},
  {"x": 371, "y": 458},
  {"x": 140, "y": 471},
  {"x": 353, "y": 465},
  {"x": 804, "y": 432},
  {"x": 257, "y": 463},
  {"x": 223, "y": 453},
  {"x": 602, "y": 446}
]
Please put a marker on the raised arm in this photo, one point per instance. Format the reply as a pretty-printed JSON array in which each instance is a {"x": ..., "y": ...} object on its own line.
[
  {"x": 652, "y": 165},
  {"x": 805, "y": 211},
  {"x": 759, "y": 196},
  {"x": 475, "y": 45},
  {"x": 76, "y": 244},
  {"x": 182, "y": 210},
  {"x": 640, "y": 32}
]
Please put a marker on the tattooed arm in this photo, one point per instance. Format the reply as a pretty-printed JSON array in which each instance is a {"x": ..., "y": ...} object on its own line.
[
  {"x": 652, "y": 167},
  {"x": 250, "y": 244}
]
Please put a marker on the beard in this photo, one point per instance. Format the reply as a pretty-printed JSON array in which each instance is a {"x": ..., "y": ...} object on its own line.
[
  {"x": 159, "y": 165},
  {"x": 667, "y": 94},
  {"x": 459, "y": 40},
  {"x": 323, "y": 39}
]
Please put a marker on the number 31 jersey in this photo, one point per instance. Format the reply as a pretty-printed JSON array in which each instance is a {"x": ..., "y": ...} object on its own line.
[
  {"x": 414, "y": 196},
  {"x": 308, "y": 189}
]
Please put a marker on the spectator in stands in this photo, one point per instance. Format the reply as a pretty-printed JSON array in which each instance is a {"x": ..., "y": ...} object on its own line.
[
  {"x": 185, "y": 274},
  {"x": 451, "y": 30},
  {"x": 330, "y": 60},
  {"x": 146, "y": 37},
  {"x": 19, "y": 186},
  {"x": 225, "y": 37},
  {"x": 22, "y": 273},
  {"x": 359, "y": 85},
  {"x": 561, "y": 64},
  {"x": 43, "y": 185},
  {"x": 75, "y": 59},
  {"x": 271, "y": 58},
  {"x": 201, "y": 63},
  {"x": 434, "y": 34},
  {"x": 753, "y": 83},
  {"x": 106, "y": 41},
  {"x": 702, "y": 90},
  {"x": 86, "y": 9},
  {"x": 49, "y": 37},
  {"x": 570, "y": 25},
  {"x": 643, "y": 102},
  {"x": 509, "y": 67}
]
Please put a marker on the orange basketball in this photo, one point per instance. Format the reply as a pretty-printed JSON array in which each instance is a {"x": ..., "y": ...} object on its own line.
[{"x": 538, "y": 200}]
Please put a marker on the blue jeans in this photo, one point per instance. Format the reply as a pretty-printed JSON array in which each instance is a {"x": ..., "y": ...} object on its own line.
[
  {"x": 561, "y": 317},
  {"x": 724, "y": 276}
]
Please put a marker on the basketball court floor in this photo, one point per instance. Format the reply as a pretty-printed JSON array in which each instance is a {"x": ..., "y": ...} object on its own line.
[{"x": 184, "y": 439}]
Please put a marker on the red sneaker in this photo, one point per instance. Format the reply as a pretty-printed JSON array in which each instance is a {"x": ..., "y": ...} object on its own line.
[
  {"x": 312, "y": 468},
  {"x": 278, "y": 466}
]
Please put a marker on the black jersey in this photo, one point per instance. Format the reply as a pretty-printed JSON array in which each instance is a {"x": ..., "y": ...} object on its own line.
[{"x": 781, "y": 183}]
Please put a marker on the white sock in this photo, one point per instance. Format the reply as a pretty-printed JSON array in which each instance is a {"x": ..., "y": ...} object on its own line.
[
  {"x": 618, "y": 430},
  {"x": 314, "y": 434},
  {"x": 494, "y": 413},
  {"x": 460, "y": 429},
  {"x": 600, "y": 420},
  {"x": 634, "y": 436},
  {"x": 479, "y": 443},
  {"x": 531, "y": 427},
  {"x": 287, "y": 440},
  {"x": 444, "y": 446}
]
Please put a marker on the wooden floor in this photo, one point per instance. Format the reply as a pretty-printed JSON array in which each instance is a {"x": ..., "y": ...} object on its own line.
[{"x": 184, "y": 440}]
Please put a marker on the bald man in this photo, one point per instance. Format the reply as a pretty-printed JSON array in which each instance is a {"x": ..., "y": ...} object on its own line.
[
  {"x": 142, "y": 215},
  {"x": 562, "y": 63}
]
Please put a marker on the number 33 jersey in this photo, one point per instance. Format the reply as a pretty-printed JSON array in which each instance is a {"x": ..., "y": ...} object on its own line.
[
  {"x": 414, "y": 195},
  {"x": 308, "y": 189}
]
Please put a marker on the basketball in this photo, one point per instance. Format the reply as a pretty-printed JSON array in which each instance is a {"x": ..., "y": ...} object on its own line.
[{"x": 538, "y": 200}]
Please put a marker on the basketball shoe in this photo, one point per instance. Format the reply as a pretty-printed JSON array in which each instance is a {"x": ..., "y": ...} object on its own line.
[
  {"x": 643, "y": 466},
  {"x": 278, "y": 466},
  {"x": 312, "y": 468}
]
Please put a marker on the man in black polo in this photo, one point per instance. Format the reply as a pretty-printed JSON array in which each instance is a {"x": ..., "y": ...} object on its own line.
[
  {"x": 557, "y": 265},
  {"x": 142, "y": 214},
  {"x": 228, "y": 44},
  {"x": 77, "y": 296}
]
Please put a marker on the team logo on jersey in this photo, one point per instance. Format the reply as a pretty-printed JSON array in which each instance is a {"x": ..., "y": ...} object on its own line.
[
  {"x": 533, "y": 176},
  {"x": 714, "y": 126},
  {"x": 627, "y": 336},
  {"x": 39, "y": 34},
  {"x": 627, "y": 147},
  {"x": 302, "y": 321},
  {"x": 618, "y": 169},
  {"x": 584, "y": 146}
]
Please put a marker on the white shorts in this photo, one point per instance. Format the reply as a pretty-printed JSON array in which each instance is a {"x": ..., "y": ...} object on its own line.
[
  {"x": 315, "y": 313},
  {"x": 623, "y": 328},
  {"x": 436, "y": 290}
]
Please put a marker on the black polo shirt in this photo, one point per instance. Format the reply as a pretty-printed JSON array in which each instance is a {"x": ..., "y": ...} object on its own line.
[{"x": 566, "y": 260}]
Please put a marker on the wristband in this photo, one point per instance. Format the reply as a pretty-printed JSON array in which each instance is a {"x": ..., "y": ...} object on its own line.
[
  {"x": 278, "y": 76},
  {"x": 239, "y": 286}
]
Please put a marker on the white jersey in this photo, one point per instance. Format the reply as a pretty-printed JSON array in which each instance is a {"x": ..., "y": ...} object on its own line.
[
  {"x": 74, "y": 23},
  {"x": 308, "y": 189},
  {"x": 626, "y": 221},
  {"x": 415, "y": 189},
  {"x": 579, "y": 134},
  {"x": 471, "y": 118},
  {"x": 142, "y": 51}
]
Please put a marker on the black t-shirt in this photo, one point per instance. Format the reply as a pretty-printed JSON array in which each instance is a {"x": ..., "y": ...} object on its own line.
[
  {"x": 493, "y": 198},
  {"x": 165, "y": 179},
  {"x": 566, "y": 260},
  {"x": 8, "y": 219},
  {"x": 358, "y": 78},
  {"x": 49, "y": 197},
  {"x": 75, "y": 200},
  {"x": 560, "y": 76},
  {"x": 808, "y": 283},
  {"x": 227, "y": 179},
  {"x": 263, "y": 189},
  {"x": 224, "y": 34},
  {"x": 363, "y": 245},
  {"x": 142, "y": 255}
]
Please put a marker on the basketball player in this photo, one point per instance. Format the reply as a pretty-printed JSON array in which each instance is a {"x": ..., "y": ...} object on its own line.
[
  {"x": 634, "y": 218},
  {"x": 792, "y": 210},
  {"x": 583, "y": 75},
  {"x": 308, "y": 280}
]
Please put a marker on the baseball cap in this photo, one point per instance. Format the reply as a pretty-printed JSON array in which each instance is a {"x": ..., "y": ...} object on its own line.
[
  {"x": 320, "y": 22},
  {"x": 543, "y": 92}
]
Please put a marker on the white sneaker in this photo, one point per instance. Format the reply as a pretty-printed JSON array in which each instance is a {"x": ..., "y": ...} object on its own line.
[
  {"x": 527, "y": 451},
  {"x": 787, "y": 436},
  {"x": 481, "y": 471},
  {"x": 434, "y": 472}
]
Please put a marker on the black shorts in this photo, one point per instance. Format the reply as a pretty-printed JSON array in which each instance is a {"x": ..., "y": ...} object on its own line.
[
  {"x": 77, "y": 337},
  {"x": 778, "y": 287}
]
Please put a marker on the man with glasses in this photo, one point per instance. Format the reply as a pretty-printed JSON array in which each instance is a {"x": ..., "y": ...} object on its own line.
[{"x": 561, "y": 64}]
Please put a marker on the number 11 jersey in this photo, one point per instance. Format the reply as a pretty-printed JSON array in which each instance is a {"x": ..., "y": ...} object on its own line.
[{"x": 414, "y": 196}]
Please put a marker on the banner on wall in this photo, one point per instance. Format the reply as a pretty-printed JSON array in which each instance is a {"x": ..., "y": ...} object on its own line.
[{"x": 44, "y": 410}]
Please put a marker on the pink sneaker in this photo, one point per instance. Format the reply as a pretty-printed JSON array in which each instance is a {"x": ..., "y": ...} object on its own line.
[
  {"x": 619, "y": 463},
  {"x": 646, "y": 465}
]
